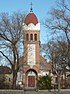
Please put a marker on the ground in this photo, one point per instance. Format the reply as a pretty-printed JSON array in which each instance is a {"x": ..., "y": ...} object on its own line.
[{"x": 67, "y": 91}]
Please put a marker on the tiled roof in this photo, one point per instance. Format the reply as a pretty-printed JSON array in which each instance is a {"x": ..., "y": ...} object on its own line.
[
  {"x": 44, "y": 65},
  {"x": 5, "y": 70},
  {"x": 31, "y": 18}
]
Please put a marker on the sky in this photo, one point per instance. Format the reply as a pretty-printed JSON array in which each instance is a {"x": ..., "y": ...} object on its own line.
[{"x": 40, "y": 8}]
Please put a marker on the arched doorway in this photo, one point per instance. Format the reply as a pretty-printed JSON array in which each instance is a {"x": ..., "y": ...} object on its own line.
[{"x": 31, "y": 78}]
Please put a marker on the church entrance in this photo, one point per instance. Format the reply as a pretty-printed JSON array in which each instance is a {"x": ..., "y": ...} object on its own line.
[{"x": 31, "y": 79}]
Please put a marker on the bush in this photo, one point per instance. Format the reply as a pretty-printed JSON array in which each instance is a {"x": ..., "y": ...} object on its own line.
[{"x": 44, "y": 82}]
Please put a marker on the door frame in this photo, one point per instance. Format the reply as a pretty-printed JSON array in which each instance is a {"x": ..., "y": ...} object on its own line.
[{"x": 36, "y": 76}]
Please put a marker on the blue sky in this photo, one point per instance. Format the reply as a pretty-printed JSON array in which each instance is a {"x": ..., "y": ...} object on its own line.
[{"x": 40, "y": 8}]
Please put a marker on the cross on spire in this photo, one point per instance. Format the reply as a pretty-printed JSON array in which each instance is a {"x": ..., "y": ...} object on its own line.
[{"x": 31, "y": 9}]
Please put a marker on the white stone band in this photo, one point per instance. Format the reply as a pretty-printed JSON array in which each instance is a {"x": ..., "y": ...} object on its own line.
[{"x": 31, "y": 26}]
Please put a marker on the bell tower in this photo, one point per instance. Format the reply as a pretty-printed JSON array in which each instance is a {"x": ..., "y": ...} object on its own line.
[{"x": 31, "y": 43}]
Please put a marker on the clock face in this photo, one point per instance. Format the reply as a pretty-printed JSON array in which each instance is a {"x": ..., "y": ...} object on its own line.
[{"x": 31, "y": 54}]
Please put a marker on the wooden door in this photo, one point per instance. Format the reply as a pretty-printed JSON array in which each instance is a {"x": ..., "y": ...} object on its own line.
[{"x": 31, "y": 81}]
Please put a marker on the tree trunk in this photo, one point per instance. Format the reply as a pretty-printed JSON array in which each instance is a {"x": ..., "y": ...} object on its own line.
[
  {"x": 59, "y": 83},
  {"x": 14, "y": 79},
  {"x": 65, "y": 78}
]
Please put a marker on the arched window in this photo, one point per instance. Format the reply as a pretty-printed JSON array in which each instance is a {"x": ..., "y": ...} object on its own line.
[
  {"x": 27, "y": 37},
  {"x": 31, "y": 36},
  {"x": 35, "y": 37}
]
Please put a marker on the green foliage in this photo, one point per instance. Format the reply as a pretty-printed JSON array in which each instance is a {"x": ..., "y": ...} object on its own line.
[{"x": 45, "y": 82}]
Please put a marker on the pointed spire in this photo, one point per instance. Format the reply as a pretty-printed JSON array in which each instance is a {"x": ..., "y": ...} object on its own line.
[{"x": 31, "y": 9}]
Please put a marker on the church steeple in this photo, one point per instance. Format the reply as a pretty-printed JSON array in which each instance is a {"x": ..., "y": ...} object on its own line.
[
  {"x": 31, "y": 17},
  {"x": 31, "y": 37},
  {"x": 31, "y": 9}
]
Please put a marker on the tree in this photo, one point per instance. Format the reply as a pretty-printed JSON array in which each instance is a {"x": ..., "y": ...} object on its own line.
[
  {"x": 60, "y": 19},
  {"x": 59, "y": 24},
  {"x": 56, "y": 52},
  {"x": 10, "y": 39}
]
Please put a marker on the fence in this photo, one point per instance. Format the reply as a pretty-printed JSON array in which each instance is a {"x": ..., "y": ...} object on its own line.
[
  {"x": 11, "y": 91},
  {"x": 67, "y": 91}
]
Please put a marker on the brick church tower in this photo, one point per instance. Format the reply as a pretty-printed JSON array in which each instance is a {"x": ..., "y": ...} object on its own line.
[{"x": 31, "y": 41}]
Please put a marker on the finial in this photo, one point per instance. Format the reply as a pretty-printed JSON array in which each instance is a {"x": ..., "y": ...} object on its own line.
[{"x": 31, "y": 10}]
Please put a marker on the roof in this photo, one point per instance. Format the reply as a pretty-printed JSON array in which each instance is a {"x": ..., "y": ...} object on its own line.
[
  {"x": 5, "y": 70},
  {"x": 44, "y": 65},
  {"x": 31, "y": 18}
]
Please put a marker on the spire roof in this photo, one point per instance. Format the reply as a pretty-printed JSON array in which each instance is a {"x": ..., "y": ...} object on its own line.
[
  {"x": 31, "y": 9},
  {"x": 31, "y": 17}
]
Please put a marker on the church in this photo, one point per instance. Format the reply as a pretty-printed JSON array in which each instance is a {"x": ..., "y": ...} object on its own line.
[{"x": 34, "y": 65}]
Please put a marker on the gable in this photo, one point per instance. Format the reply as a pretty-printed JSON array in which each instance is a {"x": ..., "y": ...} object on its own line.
[{"x": 44, "y": 65}]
